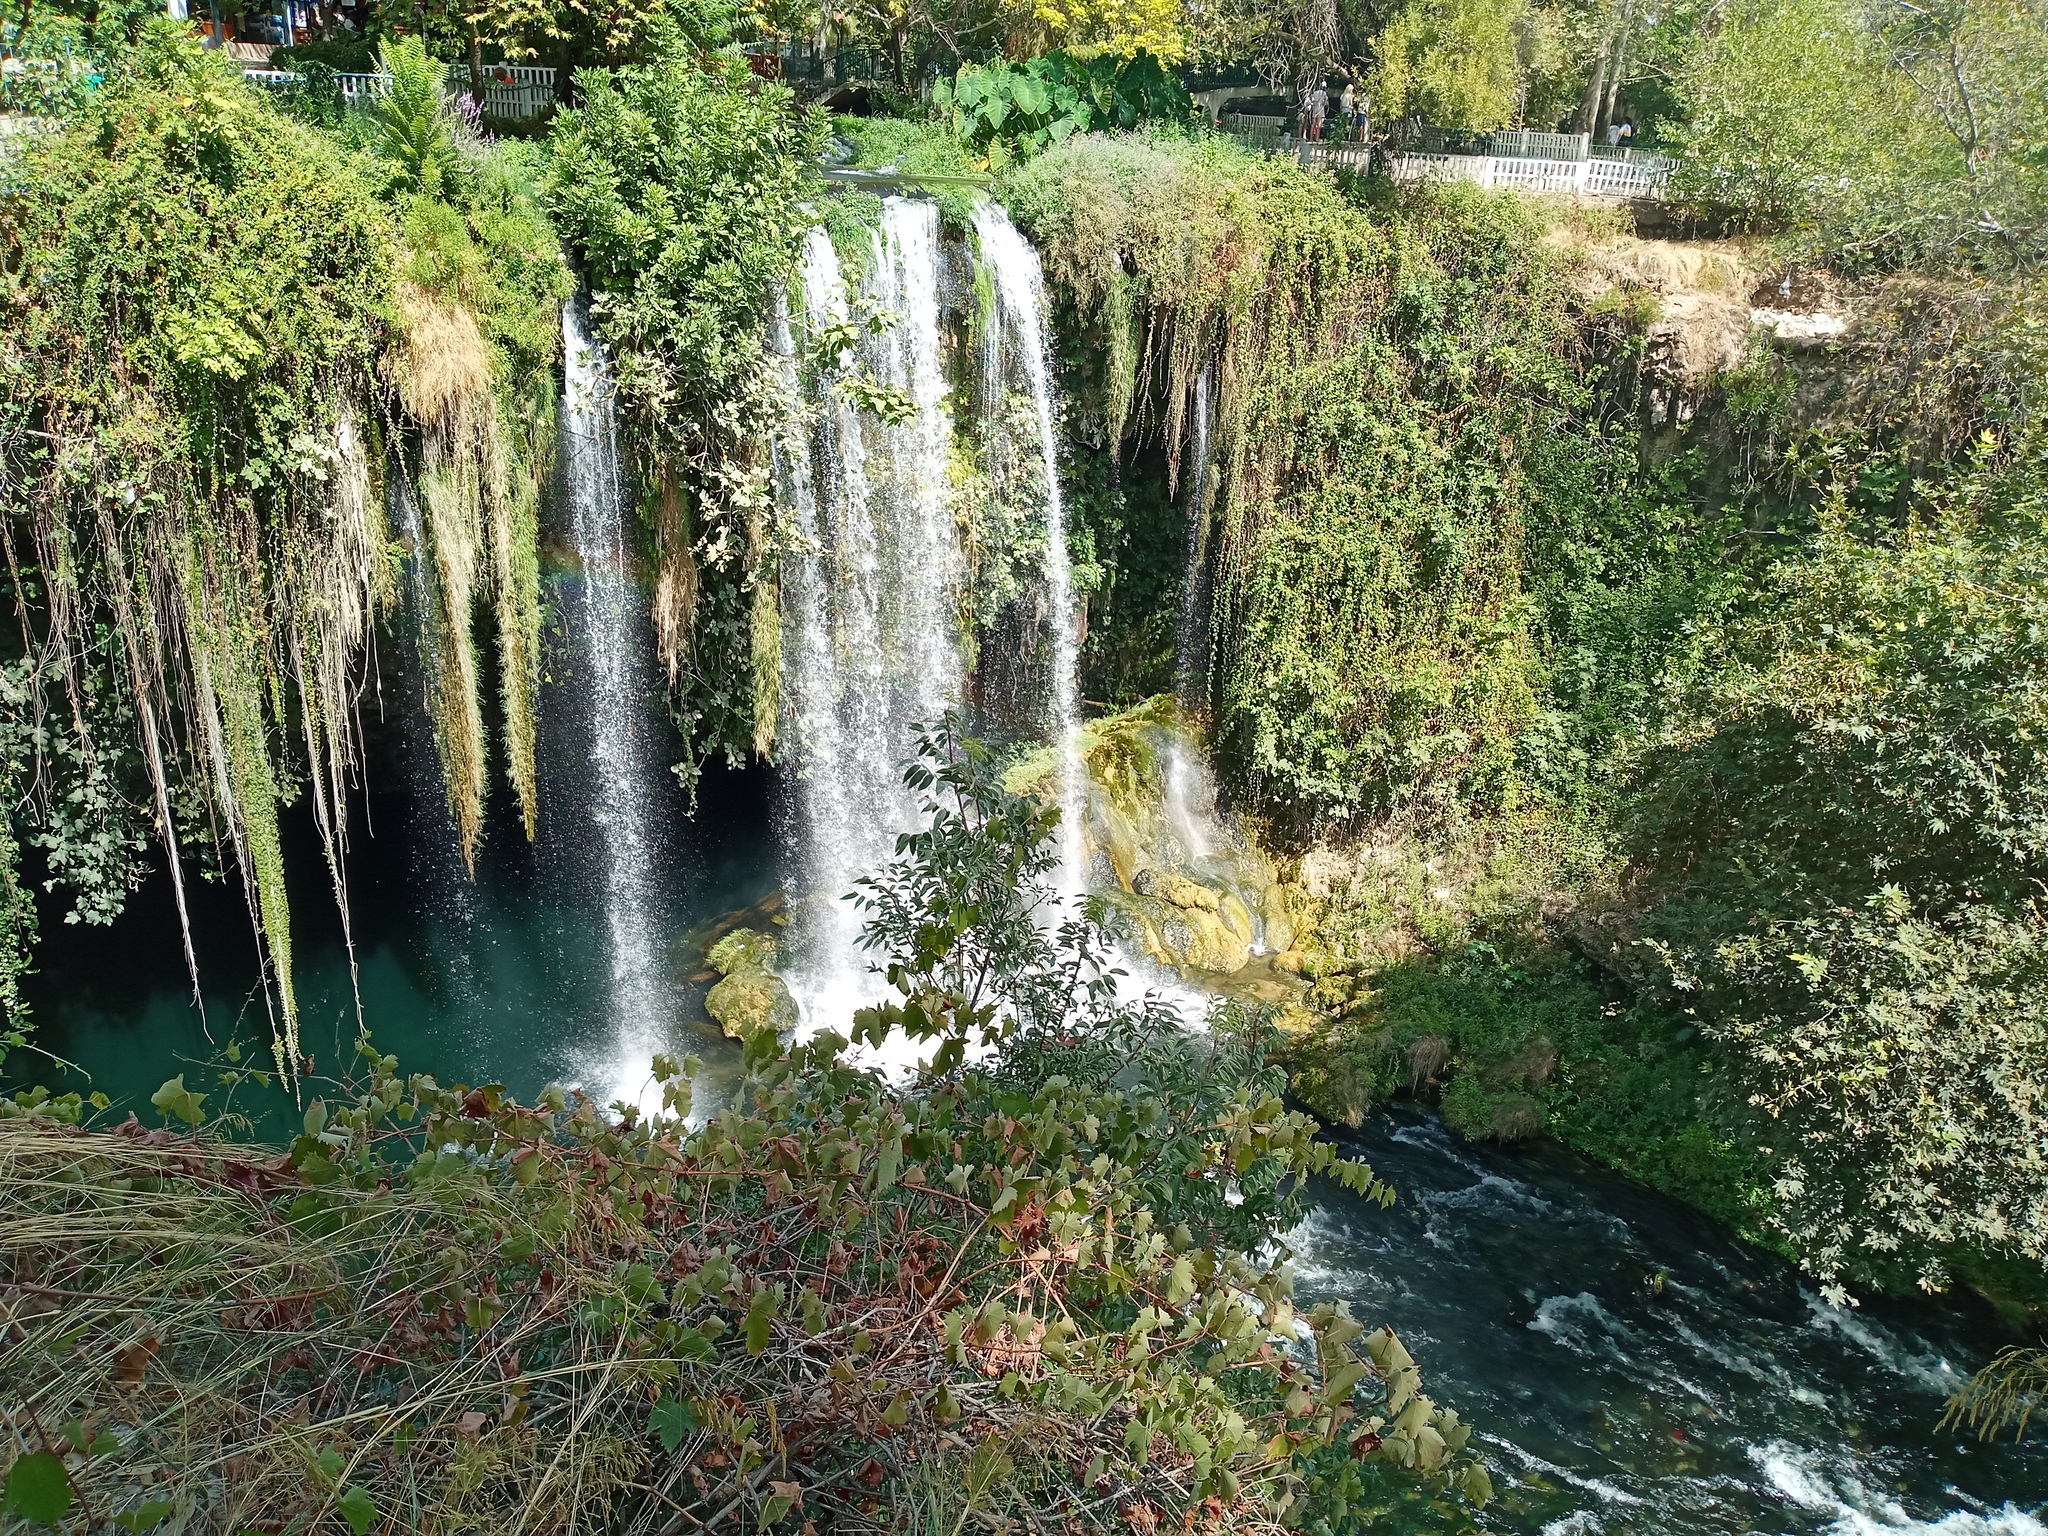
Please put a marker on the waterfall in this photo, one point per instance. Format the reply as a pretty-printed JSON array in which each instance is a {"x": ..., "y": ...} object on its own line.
[
  {"x": 442, "y": 889},
  {"x": 1191, "y": 628},
  {"x": 609, "y": 654},
  {"x": 1019, "y": 335},
  {"x": 870, "y": 594}
]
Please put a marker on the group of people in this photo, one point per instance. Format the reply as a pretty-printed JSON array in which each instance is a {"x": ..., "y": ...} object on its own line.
[{"x": 1352, "y": 113}]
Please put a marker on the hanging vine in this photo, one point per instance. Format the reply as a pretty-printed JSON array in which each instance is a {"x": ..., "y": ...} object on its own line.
[
  {"x": 197, "y": 298},
  {"x": 1378, "y": 371}
]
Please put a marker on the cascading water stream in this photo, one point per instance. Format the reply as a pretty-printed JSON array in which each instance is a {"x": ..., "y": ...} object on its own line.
[
  {"x": 441, "y": 886},
  {"x": 1191, "y": 628},
  {"x": 1020, "y": 334},
  {"x": 869, "y": 599},
  {"x": 608, "y": 620}
]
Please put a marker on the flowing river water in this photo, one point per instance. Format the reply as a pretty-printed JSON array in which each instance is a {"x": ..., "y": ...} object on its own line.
[{"x": 1630, "y": 1367}]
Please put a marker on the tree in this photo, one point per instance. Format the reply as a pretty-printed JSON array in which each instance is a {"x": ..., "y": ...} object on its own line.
[
  {"x": 1795, "y": 118},
  {"x": 1853, "y": 840},
  {"x": 1455, "y": 62},
  {"x": 1914, "y": 133}
]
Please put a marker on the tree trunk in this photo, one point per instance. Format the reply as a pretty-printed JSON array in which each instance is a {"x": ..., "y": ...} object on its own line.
[
  {"x": 1596, "y": 91},
  {"x": 565, "y": 69},
  {"x": 1615, "y": 75},
  {"x": 476, "y": 65}
]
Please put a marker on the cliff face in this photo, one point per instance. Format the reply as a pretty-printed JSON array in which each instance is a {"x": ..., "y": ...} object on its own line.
[{"x": 1740, "y": 353}]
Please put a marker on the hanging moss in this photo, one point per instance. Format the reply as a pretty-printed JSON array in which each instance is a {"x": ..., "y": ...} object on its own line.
[
  {"x": 1379, "y": 373},
  {"x": 484, "y": 250},
  {"x": 197, "y": 315},
  {"x": 679, "y": 188}
]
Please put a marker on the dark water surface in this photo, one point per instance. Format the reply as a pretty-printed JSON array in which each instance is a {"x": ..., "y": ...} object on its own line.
[
  {"x": 503, "y": 978},
  {"x": 1631, "y": 1368}
]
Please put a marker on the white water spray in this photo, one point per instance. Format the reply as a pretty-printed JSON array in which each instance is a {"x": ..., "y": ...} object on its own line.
[
  {"x": 1020, "y": 332},
  {"x": 870, "y": 596},
  {"x": 608, "y": 621}
]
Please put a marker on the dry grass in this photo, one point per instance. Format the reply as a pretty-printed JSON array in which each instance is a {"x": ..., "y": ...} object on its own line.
[
  {"x": 208, "y": 1341},
  {"x": 439, "y": 362}
]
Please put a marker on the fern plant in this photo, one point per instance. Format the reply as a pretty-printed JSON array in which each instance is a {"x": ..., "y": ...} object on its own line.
[{"x": 414, "y": 130}]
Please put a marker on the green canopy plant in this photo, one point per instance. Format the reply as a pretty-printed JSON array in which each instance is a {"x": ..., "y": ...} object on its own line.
[
  {"x": 413, "y": 118},
  {"x": 1005, "y": 109},
  {"x": 215, "y": 338},
  {"x": 678, "y": 188}
]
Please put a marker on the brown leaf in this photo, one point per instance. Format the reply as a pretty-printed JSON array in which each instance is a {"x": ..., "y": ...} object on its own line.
[
  {"x": 132, "y": 1363},
  {"x": 791, "y": 1491},
  {"x": 471, "y": 1424}
]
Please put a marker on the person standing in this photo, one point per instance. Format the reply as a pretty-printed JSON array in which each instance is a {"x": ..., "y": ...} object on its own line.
[
  {"x": 1318, "y": 109},
  {"x": 1347, "y": 103}
]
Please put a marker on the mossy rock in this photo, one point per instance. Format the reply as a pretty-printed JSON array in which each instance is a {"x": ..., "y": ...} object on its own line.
[
  {"x": 1156, "y": 927},
  {"x": 1296, "y": 1022},
  {"x": 1212, "y": 946},
  {"x": 1114, "y": 838},
  {"x": 1188, "y": 895},
  {"x": 1236, "y": 916},
  {"x": 1290, "y": 914},
  {"x": 750, "y": 1000},
  {"x": 741, "y": 950}
]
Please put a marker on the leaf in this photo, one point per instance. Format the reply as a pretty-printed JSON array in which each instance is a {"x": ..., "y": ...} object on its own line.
[
  {"x": 356, "y": 1509},
  {"x": 671, "y": 1421},
  {"x": 38, "y": 1489},
  {"x": 174, "y": 1098},
  {"x": 144, "y": 1516}
]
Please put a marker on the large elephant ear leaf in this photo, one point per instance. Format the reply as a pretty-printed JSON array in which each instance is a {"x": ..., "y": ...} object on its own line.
[{"x": 1031, "y": 96}]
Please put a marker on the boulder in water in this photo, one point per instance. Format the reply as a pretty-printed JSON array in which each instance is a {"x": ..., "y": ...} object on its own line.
[
  {"x": 1191, "y": 895},
  {"x": 1212, "y": 945},
  {"x": 751, "y": 997}
]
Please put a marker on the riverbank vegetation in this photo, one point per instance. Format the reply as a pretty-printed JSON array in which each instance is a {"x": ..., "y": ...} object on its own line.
[
  {"x": 1671, "y": 722},
  {"x": 226, "y": 333},
  {"x": 1030, "y": 1287}
]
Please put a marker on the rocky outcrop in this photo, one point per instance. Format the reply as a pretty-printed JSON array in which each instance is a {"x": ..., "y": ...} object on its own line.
[
  {"x": 751, "y": 997},
  {"x": 1178, "y": 882}
]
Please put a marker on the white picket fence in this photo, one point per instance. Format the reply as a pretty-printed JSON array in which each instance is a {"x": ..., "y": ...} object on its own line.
[
  {"x": 1593, "y": 177},
  {"x": 518, "y": 91},
  {"x": 1322, "y": 154},
  {"x": 1529, "y": 144}
]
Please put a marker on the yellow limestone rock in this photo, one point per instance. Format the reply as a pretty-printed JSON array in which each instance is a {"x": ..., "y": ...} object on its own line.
[
  {"x": 1212, "y": 946},
  {"x": 1189, "y": 895},
  {"x": 751, "y": 997},
  {"x": 1237, "y": 915}
]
